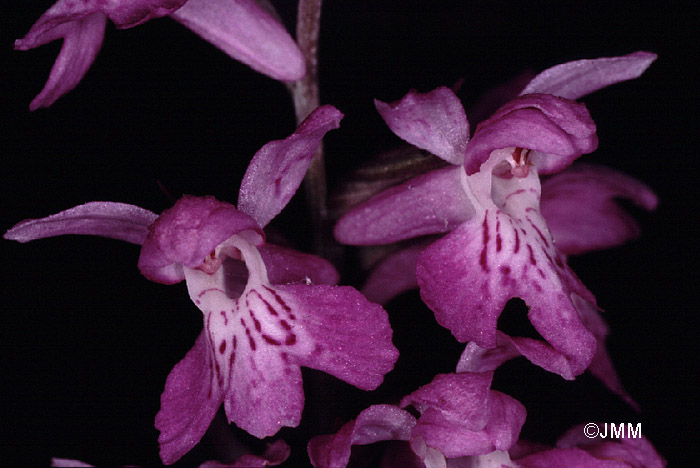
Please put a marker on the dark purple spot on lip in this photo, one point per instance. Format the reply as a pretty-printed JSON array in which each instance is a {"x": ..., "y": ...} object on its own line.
[
  {"x": 270, "y": 309},
  {"x": 285, "y": 325},
  {"x": 544, "y": 239},
  {"x": 222, "y": 347},
  {"x": 291, "y": 339},
  {"x": 279, "y": 299},
  {"x": 485, "y": 229},
  {"x": 270, "y": 340},
  {"x": 232, "y": 358},
  {"x": 505, "y": 270},
  {"x": 517, "y": 241},
  {"x": 532, "y": 255},
  {"x": 256, "y": 322}
]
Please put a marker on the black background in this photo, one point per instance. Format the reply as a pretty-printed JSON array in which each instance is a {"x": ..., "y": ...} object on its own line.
[{"x": 86, "y": 342}]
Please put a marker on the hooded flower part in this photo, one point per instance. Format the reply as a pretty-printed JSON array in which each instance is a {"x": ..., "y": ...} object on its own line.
[
  {"x": 498, "y": 244},
  {"x": 241, "y": 28},
  {"x": 460, "y": 417},
  {"x": 267, "y": 310}
]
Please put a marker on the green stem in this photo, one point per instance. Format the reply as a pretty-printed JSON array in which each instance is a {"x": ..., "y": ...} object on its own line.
[{"x": 305, "y": 94}]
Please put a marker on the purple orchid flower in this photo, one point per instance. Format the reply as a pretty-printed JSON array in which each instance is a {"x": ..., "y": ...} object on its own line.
[
  {"x": 460, "y": 418},
  {"x": 499, "y": 244},
  {"x": 267, "y": 310},
  {"x": 241, "y": 28}
]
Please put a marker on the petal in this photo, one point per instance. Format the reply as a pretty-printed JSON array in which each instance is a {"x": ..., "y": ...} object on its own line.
[
  {"x": 467, "y": 277},
  {"x": 69, "y": 463},
  {"x": 573, "y": 80},
  {"x": 433, "y": 121},
  {"x": 394, "y": 274},
  {"x": 477, "y": 359},
  {"x": 105, "y": 219},
  {"x": 428, "y": 204},
  {"x": 186, "y": 233},
  {"x": 265, "y": 390},
  {"x": 82, "y": 40},
  {"x": 246, "y": 32},
  {"x": 376, "y": 423},
  {"x": 461, "y": 416},
  {"x": 250, "y": 364},
  {"x": 188, "y": 403},
  {"x": 286, "y": 266},
  {"x": 581, "y": 210},
  {"x": 277, "y": 169},
  {"x": 124, "y": 13},
  {"x": 461, "y": 398},
  {"x": 343, "y": 334},
  {"x": 570, "y": 458},
  {"x": 556, "y": 129}
]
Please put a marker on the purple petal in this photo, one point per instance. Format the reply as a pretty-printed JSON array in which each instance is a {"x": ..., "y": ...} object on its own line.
[
  {"x": 467, "y": 277},
  {"x": 277, "y": 169},
  {"x": 350, "y": 336},
  {"x": 286, "y": 266},
  {"x": 477, "y": 359},
  {"x": 69, "y": 463},
  {"x": 246, "y": 32},
  {"x": 569, "y": 458},
  {"x": 394, "y": 274},
  {"x": 82, "y": 39},
  {"x": 461, "y": 416},
  {"x": 573, "y": 80},
  {"x": 249, "y": 337},
  {"x": 105, "y": 219},
  {"x": 265, "y": 390},
  {"x": 188, "y": 403},
  {"x": 581, "y": 210},
  {"x": 376, "y": 423},
  {"x": 433, "y": 121},
  {"x": 428, "y": 204},
  {"x": 459, "y": 397},
  {"x": 557, "y": 130},
  {"x": 186, "y": 233}
]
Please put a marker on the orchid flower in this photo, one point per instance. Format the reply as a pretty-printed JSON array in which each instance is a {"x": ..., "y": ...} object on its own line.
[
  {"x": 460, "y": 417},
  {"x": 241, "y": 28},
  {"x": 498, "y": 244},
  {"x": 267, "y": 310}
]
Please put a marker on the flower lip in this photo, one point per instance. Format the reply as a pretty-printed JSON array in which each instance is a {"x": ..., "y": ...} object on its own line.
[{"x": 187, "y": 233}]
